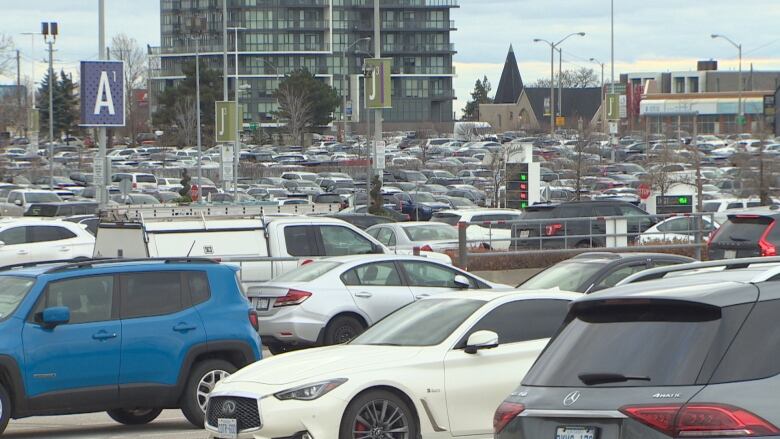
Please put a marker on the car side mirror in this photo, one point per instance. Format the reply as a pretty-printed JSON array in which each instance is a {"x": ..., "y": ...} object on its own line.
[
  {"x": 481, "y": 340},
  {"x": 54, "y": 316},
  {"x": 462, "y": 282},
  {"x": 18, "y": 202}
]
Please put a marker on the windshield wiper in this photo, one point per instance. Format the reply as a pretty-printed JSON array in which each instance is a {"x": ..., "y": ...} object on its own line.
[{"x": 590, "y": 379}]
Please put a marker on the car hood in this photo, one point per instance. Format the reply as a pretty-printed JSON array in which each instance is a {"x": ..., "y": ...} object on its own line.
[{"x": 310, "y": 365}]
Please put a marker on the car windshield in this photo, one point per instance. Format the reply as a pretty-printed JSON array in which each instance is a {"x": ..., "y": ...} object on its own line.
[
  {"x": 422, "y": 197},
  {"x": 431, "y": 232},
  {"x": 308, "y": 272},
  {"x": 567, "y": 276},
  {"x": 12, "y": 290},
  {"x": 42, "y": 197},
  {"x": 422, "y": 323}
]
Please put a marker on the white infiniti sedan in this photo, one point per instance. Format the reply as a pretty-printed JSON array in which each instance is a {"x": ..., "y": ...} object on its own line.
[{"x": 437, "y": 368}]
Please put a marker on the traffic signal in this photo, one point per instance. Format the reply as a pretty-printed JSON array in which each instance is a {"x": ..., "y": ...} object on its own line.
[{"x": 523, "y": 178}]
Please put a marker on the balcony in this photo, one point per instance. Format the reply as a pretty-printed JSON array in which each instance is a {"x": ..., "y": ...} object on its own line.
[
  {"x": 446, "y": 25},
  {"x": 418, "y": 48},
  {"x": 423, "y": 70},
  {"x": 305, "y": 25},
  {"x": 404, "y": 3}
]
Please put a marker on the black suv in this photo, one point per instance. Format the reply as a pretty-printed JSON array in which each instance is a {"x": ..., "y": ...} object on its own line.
[
  {"x": 750, "y": 233},
  {"x": 590, "y": 272},
  {"x": 576, "y": 224}
]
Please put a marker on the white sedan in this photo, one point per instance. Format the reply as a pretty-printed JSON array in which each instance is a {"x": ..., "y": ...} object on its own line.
[
  {"x": 332, "y": 300},
  {"x": 679, "y": 229},
  {"x": 437, "y": 368},
  {"x": 427, "y": 236}
]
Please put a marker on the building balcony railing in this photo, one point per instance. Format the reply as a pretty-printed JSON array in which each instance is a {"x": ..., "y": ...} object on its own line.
[
  {"x": 441, "y": 25},
  {"x": 423, "y": 70},
  {"x": 418, "y": 48},
  {"x": 303, "y": 25},
  {"x": 188, "y": 47},
  {"x": 404, "y": 3}
]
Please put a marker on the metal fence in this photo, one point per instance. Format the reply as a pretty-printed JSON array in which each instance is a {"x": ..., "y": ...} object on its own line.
[{"x": 576, "y": 235}]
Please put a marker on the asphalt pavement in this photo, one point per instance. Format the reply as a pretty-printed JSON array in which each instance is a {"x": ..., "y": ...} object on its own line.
[{"x": 170, "y": 425}]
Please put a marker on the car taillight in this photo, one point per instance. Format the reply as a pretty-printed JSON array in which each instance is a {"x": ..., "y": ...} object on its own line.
[
  {"x": 293, "y": 297},
  {"x": 552, "y": 229},
  {"x": 253, "y": 320},
  {"x": 699, "y": 420},
  {"x": 135, "y": 185},
  {"x": 426, "y": 248},
  {"x": 504, "y": 415},
  {"x": 767, "y": 248},
  {"x": 306, "y": 262}
]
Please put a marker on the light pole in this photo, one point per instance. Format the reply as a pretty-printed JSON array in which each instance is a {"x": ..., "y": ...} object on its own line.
[
  {"x": 50, "y": 32},
  {"x": 554, "y": 46},
  {"x": 741, "y": 109},
  {"x": 344, "y": 83},
  {"x": 239, "y": 119},
  {"x": 198, "y": 26},
  {"x": 603, "y": 97}
]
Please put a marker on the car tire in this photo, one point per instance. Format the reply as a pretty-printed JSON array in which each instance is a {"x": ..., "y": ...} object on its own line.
[
  {"x": 342, "y": 329},
  {"x": 278, "y": 348},
  {"x": 134, "y": 416},
  {"x": 203, "y": 377},
  {"x": 377, "y": 405},
  {"x": 5, "y": 408}
]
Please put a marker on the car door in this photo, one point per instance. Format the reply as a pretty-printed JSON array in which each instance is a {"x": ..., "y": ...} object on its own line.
[
  {"x": 159, "y": 327},
  {"x": 429, "y": 278},
  {"x": 523, "y": 328},
  {"x": 74, "y": 364},
  {"x": 15, "y": 248},
  {"x": 377, "y": 288},
  {"x": 52, "y": 242}
]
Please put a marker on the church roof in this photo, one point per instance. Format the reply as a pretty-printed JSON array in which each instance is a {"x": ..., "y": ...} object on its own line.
[{"x": 511, "y": 84}]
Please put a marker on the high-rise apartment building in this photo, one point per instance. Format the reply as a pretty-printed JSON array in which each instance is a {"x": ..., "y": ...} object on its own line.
[{"x": 276, "y": 37}]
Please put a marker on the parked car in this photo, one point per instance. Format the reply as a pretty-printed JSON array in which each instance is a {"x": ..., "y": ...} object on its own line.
[
  {"x": 750, "y": 233},
  {"x": 332, "y": 301},
  {"x": 425, "y": 236},
  {"x": 362, "y": 220},
  {"x": 689, "y": 355},
  {"x": 721, "y": 207},
  {"x": 488, "y": 227},
  {"x": 19, "y": 200},
  {"x": 138, "y": 181},
  {"x": 31, "y": 240},
  {"x": 591, "y": 272},
  {"x": 577, "y": 224},
  {"x": 61, "y": 209},
  {"x": 412, "y": 375},
  {"x": 89, "y": 222},
  {"x": 679, "y": 229},
  {"x": 129, "y": 338}
]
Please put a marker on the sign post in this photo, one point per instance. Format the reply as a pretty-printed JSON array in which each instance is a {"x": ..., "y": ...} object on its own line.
[{"x": 103, "y": 97}]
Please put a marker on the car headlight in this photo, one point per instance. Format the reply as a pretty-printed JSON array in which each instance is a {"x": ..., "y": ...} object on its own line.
[{"x": 309, "y": 392}]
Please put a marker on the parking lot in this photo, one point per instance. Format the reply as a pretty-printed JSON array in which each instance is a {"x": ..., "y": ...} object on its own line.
[{"x": 170, "y": 425}]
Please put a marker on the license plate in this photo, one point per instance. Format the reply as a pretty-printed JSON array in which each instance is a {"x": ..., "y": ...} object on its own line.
[
  {"x": 262, "y": 304},
  {"x": 227, "y": 428},
  {"x": 730, "y": 254},
  {"x": 525, "y": 233},
  {"x": 576, "y": 433}
]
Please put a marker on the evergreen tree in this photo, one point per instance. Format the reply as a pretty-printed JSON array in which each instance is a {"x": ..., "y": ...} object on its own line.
[
  {"x": 66, "y": 120},
  {"x": 480, "y": 95},
  {"x": 43, "y": 105}
]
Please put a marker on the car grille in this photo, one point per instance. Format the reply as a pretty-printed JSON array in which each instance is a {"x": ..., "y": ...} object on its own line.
[{"x": 245, "y": 413}]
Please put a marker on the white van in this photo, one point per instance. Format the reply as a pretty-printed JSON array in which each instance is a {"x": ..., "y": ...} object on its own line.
[
  {"x": 139, "y": 182},
  {"x": 286, "y": 242}
]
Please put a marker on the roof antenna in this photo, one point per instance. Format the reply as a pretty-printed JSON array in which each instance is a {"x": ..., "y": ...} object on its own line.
[{"x": 191, "y": 247}]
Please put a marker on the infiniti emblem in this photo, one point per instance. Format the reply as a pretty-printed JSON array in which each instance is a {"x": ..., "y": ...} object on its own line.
[
  {"x": 571, "y": 398},
  {"x": 229, "y": 407}
]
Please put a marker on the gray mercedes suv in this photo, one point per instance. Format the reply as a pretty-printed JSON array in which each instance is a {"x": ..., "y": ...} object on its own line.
[{"x": 694, "y": 353}]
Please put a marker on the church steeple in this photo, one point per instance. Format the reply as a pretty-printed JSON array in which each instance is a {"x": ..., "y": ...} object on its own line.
[{"x": 511, "y": 84}]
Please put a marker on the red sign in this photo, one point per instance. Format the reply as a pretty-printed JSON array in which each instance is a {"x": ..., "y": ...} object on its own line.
[{"x": 643, "y": 191}]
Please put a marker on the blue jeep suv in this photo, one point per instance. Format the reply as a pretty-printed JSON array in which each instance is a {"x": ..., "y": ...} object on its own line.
[{"x": 128, "y": 337}]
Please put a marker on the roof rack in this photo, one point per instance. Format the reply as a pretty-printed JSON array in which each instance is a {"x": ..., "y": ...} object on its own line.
[
  {"x": 67, "y": 264},
  {"x": 728, "y": 264},
  {"x": 163, "y": 211}
]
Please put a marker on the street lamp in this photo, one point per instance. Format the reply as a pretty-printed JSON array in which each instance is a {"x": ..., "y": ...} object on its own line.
[
  {"x": 741, "y": 109},
  {"x": 239, "y": 120},
  {"x": 50, "y": 31},
  {"x": 553, "y": 46},
  {"x": 198, "y": 26},
  {"x": 344, "y": 82},
  {"x": 603, "y": 97}
]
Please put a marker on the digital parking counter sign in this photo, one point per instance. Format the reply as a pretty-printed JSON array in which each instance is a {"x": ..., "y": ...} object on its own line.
[{"x": 102, "y": 94}]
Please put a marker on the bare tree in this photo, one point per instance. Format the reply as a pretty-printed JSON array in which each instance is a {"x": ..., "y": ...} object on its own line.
[
  {"x": 186, "y": 120},
  {"x": 581, "y": 78},
  {"x": 127, "y": 49},
  {"x": 6, "y": 53},
  {"x": 297, "y": 105}
]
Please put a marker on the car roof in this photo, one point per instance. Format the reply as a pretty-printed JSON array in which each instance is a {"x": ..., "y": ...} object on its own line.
[
  {"x": 377, "y": 257},
  {"x": 719, "y": 288},
  {"x": 110, "y": 265},
  {"x": 762, "y": 211},
  {"x": 623, "y": 257}
]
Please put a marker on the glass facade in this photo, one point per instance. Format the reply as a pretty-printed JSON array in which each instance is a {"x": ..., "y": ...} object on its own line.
[{"x": 279, "y": 36}]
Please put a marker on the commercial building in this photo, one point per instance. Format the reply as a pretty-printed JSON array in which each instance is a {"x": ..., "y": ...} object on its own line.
[{"x": 276, "y": 37}]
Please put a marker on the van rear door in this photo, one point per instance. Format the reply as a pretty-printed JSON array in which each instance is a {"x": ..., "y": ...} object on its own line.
[{"x": 126, "y": 240}]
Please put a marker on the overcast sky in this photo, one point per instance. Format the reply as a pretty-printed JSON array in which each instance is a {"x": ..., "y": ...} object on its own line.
[{"x": 662, "y": 35}]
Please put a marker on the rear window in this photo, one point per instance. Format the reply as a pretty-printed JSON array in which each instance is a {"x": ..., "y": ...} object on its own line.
[
  {"x": 665, "y": 342},
  {"x": 742, "y": 229},
  {"x": 141, "y": 178},
  {"x": 308, "y": 272},
  {"x": 532, "y": 214},
  {"x": 446, "y": 218},
  {"x": 568, "y": 276}
]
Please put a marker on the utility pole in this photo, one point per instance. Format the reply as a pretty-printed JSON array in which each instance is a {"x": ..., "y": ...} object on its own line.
[
  {"x": 50, "y": 32},
  {"x": 198, "y": 33},
  {"x": 224, "y": 51},
  {"x": 612, "y": 141},
  {"x": 378, "y": 111},
  {"x": 552, "y": 90},
  {"x": 560, "y": 82},
  {"x": 18, "y": 79},
  {"x": 101, "y": 192},
  {"x": 149, "y": 85},
  {"x": 239, "y": 120}
]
